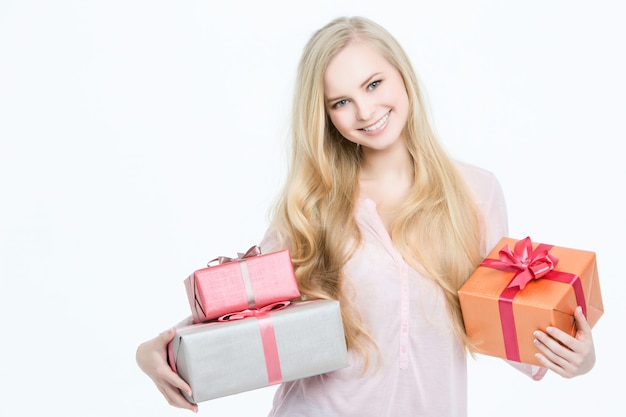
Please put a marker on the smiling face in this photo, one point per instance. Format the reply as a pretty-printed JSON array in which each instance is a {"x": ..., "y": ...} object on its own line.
[{"x": 365, "y": 97}]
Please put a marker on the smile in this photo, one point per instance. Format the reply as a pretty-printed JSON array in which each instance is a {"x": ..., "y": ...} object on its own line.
[{"x": 378, "y": 124}]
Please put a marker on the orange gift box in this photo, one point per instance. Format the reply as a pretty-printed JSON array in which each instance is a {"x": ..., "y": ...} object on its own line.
[{"x": 523, "y": 286}]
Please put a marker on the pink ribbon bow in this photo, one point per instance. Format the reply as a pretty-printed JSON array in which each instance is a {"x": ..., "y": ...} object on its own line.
[
  {"x": 530, "y": 264},
  {"x": 253, "y": 251},
  {"x": 254, "y": 312}
]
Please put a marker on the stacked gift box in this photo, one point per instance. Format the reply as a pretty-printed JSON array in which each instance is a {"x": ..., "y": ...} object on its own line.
[
  {"x": 523, "y": 286},
  {"x": 249, "y": 329}
]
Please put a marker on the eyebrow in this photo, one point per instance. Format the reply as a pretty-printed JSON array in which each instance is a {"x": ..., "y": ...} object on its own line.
[{"x": 363, "y": 84}]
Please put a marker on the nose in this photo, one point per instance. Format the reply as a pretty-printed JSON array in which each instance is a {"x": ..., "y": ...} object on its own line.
[{"x": 364, "y": 110}]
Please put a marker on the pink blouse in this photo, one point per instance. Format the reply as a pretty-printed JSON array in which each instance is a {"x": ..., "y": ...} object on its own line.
[{"x": 421, "y": 370}]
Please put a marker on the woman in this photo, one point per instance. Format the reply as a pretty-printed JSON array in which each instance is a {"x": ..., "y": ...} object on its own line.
[{"x": 377, "y": 216}]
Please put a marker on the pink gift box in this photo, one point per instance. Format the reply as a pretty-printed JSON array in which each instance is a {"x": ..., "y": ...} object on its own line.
[{"x": 250, "y": 281}]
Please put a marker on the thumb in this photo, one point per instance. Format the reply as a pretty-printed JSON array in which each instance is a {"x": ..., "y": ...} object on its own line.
[
  {"x": 584, "y": 329},
  {"x": 168, "y": 335}
]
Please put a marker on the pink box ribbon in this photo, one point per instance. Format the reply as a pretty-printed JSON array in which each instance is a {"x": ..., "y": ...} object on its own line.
[
  {"x": 528, "y": 264},
  {"x": 245, "y": 274}
]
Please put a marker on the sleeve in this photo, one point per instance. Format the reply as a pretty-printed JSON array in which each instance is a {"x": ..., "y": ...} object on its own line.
[
  {"x": 274, "y": 240},
  {"x": 489, "y": 198},
  {"x": 271, "y": 241},
  {"x": 496, "y": 227},
  {"x": 533, "y": 371},
  {"x": 188, "y": 321},
  {"x": 495, "y": 214}
]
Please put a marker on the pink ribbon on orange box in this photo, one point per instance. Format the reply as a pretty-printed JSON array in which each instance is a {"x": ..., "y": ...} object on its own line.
[
  {"x": 268, "y": 337},
  {"x": 529, "y": 264}
]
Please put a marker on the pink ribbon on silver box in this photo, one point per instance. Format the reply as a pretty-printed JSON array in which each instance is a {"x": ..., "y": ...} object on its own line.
[{"x": 268, "y": 337}]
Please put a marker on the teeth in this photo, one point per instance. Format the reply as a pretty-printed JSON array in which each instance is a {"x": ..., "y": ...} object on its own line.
[{"x": 378, "y": 124}]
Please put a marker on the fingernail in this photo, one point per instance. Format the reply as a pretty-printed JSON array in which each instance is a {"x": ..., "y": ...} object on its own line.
[{"x": 537, "y": 333}]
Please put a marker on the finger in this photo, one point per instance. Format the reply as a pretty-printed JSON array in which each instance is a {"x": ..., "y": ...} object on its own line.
[
  {"x": 559, "y": 342},
  {"x": 581, "y": 321},
  {"x": 550, "y": 365},
  {"x": 168, "y": 335},
  {"x": 554, "y": 340},
  {"x": 567, "y": 361},
  {"x": 173, "y": 379},
  {"x": 559, "y": 348},
  {"x": 551, "y": 350},
  {"x": 176, "y": 399},
  {"x": 554, "y": 362},
  {"x": 574, "y": 344}
]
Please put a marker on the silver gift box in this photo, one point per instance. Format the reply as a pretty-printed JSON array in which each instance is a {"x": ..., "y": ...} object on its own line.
[{"x": 224, "y": 358}]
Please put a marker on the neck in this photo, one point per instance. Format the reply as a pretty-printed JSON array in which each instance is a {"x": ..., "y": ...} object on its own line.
[{"x": 391, "y": 162}]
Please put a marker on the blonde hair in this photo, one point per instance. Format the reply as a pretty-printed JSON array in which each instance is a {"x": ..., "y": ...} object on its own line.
[{"x": 438, "y": 229}]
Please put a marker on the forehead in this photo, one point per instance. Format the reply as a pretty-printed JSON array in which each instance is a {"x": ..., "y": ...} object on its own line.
[{"x": 353, "y": 65}]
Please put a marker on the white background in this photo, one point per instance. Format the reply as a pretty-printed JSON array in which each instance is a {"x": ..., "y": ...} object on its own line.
[{"x": 140, "y": 139}]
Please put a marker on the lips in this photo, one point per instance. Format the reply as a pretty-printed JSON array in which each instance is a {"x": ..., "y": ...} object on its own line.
[{"x": 380, "y": 123}]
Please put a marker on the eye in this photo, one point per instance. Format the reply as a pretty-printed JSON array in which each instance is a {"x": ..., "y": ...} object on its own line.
[
  {"x": 373, "y": 85},
  {"x": 340, "y": 103}
]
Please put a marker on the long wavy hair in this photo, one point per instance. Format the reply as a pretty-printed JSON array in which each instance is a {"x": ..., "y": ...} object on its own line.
[{"x": 438, "y": 230}]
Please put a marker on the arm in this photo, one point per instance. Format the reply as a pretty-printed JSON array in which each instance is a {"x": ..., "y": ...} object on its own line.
[
  {"x": 151, "y": 355},
  {"x": 566, "y": 355}
]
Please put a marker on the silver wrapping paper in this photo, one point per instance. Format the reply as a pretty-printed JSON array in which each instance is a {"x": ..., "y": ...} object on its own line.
[{"x": 225, "y": 358}]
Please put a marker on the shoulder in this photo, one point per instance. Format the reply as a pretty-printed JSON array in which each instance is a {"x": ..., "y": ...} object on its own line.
[
  {"x": 272, "y": 240},
  {"x": 481, "y": 182},
  {"x": 489, "y": 198},
  {"x": 474, "y": 172}
]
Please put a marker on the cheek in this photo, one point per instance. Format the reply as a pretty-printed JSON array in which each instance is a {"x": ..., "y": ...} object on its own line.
[
  {"x": 399, "y": 95},
  {"x": 339, "y": 120}
]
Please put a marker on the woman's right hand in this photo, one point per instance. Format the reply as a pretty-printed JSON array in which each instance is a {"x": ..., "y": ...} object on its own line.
[{"x": 151, "y": 357}]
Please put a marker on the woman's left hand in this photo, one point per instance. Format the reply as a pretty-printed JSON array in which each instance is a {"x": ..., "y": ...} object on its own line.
[{"x": 566, "y": 355}]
